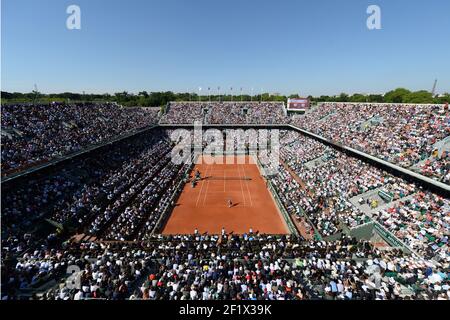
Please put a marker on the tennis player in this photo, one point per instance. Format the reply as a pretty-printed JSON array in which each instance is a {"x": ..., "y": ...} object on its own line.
[{"x": 197, "y": 175}]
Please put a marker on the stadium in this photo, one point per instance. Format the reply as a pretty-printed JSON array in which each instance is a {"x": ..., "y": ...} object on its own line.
[
  {"x": 215, "y": 194},
  {"x": 325, "y": 221}
]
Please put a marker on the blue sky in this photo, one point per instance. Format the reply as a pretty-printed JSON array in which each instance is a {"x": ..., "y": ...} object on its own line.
[{"x": 306, "y": 47}]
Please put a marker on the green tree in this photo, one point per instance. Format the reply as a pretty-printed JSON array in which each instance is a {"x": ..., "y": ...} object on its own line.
[
  {"x": 343, "y": 97},
  {"x": 419, "y": 97},
  {"x": 396, "y": 96},
  {"x": 375, "y": 98},
  {"x": 357, "y": 97}
]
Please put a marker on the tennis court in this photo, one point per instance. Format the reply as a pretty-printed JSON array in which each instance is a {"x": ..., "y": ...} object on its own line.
[{"x": 206, "y": 206}]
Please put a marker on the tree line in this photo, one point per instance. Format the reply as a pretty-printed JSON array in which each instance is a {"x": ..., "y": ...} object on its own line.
[{"x": 158, "y": 99}]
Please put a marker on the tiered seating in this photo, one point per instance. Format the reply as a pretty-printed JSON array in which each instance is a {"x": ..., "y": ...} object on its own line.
[
  {"x": 402, "y": 134},
  {"x": 225, "y": 113},
  {"x": 248, "y": 267},
  {"x": 36, "y": 134},
  {"x": 122, "y": 192},
  {"x": 330, "y": 179}
]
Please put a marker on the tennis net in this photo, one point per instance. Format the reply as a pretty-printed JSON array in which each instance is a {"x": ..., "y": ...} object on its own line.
[{"x": 227, "y": 178}]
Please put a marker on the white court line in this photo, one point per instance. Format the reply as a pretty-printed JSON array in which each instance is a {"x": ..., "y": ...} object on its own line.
[
  {"x": 248, "y": 189},
  {"x": 206, "y": 192},
  {"x": 242, "y": 188},
  {"x": 221, "y": 192},
  {"x": 201, "y": 189}
]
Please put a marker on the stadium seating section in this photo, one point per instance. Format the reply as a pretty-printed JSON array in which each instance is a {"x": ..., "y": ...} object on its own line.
[{"x": 116, "y": 199}]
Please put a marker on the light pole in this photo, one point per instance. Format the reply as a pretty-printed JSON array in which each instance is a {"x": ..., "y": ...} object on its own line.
[{"x": 251, "y": 96}]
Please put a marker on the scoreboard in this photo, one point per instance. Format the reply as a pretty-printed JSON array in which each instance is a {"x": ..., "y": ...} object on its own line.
[{"x": 299, "y": 104}]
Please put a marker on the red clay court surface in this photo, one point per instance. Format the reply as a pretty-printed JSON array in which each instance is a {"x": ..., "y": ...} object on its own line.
[{"x": 205, "y": 207}]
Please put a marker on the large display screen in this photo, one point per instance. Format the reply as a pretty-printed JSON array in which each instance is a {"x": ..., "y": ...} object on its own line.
[{"x": 298, "y": 104}]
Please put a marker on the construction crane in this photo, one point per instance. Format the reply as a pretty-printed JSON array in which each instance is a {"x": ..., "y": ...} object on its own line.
[{"x": 433, "y": 91}]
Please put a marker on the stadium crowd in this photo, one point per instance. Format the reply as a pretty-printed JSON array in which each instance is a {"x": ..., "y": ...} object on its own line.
[
  {"x": 34, "y": 134},
  {"x": 118, "y": 198},
  {"x": 320, "y": 182},
  {"x": 226, "y": 267},
  {"x": 181, "y": 113},
  {"x": 224, "y": 113},
  {"x": 422, "y": 222},
  {"x": 406, "y": 134},
  {"x": 75, "y": 194}
]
